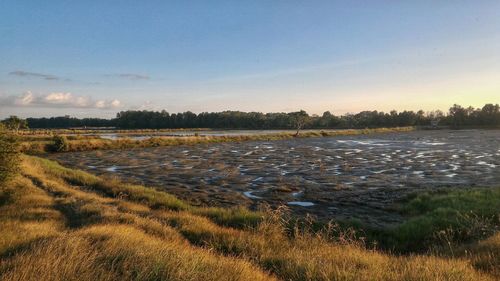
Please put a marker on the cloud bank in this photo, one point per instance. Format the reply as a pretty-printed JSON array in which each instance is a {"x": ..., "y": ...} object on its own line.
[
  {"x": 21, "y": 73},
  {"x": 57, "y": 100}
]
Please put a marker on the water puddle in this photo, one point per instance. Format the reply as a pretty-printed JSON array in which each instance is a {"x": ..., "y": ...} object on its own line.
[
  {"x": 112, "y": 169},
  {"x": 250, "y": 195},
  {"x": 301, "y": 203}
]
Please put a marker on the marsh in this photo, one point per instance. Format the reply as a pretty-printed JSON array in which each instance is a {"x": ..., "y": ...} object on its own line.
[{"x": 345, "y": 177}]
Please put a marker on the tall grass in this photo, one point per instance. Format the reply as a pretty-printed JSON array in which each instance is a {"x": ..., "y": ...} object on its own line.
[
  {"x": 26, "y": 214},
  {"x": 80, "y": 143},
  {"x": 309, "y": 255},
  {"x": 484, "y": 255},
  {"x": 63, "y": 224},
  {"x": 97, "y": 238}
]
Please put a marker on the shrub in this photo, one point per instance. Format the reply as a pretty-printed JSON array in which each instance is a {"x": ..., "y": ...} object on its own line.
[
  {"x": 60, "y": 144},
  {"x": 9, "y": 155},
  {"x": 451, "y": 216}
]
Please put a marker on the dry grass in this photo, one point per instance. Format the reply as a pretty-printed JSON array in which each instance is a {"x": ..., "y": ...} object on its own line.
[
  {"x": 26, "y": 214},
  {"x": 101, "y": 238},
  {"x": 74, "y": 227},
  {"x": 85, "y": 132},
  {"x": 40, "y": 144},
  {"x": 485, "y": 255},
  {"x": 309, "y": 256},
  {"x": 122, "y": 252}
]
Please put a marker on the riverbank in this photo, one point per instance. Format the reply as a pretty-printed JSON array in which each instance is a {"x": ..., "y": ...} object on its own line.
[{"x": 43, "y": 144}]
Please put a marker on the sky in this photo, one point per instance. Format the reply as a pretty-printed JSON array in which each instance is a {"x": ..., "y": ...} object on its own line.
[{"x": 96, "y": 58}]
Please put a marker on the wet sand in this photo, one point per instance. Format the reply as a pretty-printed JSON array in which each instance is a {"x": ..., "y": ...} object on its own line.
[{"x": 345, "y": 177}]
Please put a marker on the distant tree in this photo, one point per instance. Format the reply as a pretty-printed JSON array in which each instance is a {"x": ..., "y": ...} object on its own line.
[
  {"x": 490, "y": 115},
  {"x": 327, "y": 120},
  {"x": 299, "y": 120},
  {"x": 435, "y": 114},
  {"x": 421, "y": 118},
  {"x": 15, "y": 123},
  {"x": 434, "y": 118},
  {"x": 458, "y": 116},
  {"x": 9, "y": 155}
]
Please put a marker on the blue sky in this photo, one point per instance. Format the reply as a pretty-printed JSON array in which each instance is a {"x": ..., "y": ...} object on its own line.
[{"x": 94, "y": 58}]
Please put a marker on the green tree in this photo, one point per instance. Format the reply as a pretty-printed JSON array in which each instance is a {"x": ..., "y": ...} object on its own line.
[
  {"x": 299, "y": 120},
  {"x": 15, "y": 123},
  {"x": 490, "y": 115},
  {"x": 9, "y": 155},
  {"x": 458, "y": 116}
]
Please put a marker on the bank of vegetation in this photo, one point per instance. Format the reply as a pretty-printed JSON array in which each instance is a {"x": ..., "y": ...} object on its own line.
[{"x": 61, "y": 143}]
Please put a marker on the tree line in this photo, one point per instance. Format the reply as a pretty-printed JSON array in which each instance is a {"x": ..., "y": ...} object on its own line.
[
  {"x": 68, "y": 122},
  {"x": 456, "y": 117}
]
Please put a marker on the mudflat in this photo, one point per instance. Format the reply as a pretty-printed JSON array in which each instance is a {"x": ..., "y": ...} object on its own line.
[{"x": 345, "y": 177}]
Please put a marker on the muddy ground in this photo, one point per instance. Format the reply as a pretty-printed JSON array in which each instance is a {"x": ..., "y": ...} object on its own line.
[{"x": 345, "y": 177}]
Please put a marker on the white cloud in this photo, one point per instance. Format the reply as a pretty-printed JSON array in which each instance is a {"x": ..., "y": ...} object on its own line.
[
  {"x": 115, "y": 103},
  {"x": 61, "y": 98},
  {"x": 83, "y": 101},
  {"x": 25, "y": 99},
  {"x": 100, "y": 104},
  {"x": 68, "y": 100}
]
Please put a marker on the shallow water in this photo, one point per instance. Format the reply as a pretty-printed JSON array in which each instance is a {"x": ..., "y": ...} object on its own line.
[
  {"x": 343, "y": 177},
  {"x": 300, "y": 203}
]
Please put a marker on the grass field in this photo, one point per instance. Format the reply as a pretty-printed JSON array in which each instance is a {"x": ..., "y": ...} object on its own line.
[{"x": 62, "y": 224}]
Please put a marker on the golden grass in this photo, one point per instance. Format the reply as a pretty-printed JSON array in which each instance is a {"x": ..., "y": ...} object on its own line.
[
  {"x": 72, "y": 229},
  {"x": 308, "y": 256},
  {"x": 84, "y": 132},
  {"x": 26, "y": 214},
  {"x": 108, "y": 239},
  {"x": 37, "y": 144},
  {"x": 485, "y": 255},
  {"x": 121, "y": 252}
]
